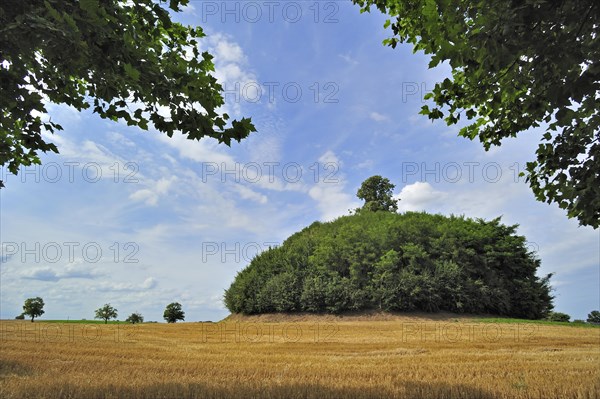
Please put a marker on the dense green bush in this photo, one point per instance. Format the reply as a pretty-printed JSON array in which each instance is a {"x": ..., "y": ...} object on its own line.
[
  {"x": 594, "y": 317},
  {"x": 396, "y": 262},
  {"x": 135, "y": 318},
  {"x": 558, "y": 316}
]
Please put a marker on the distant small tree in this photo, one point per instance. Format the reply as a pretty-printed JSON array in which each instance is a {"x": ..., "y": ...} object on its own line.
[
  {"x": 33, "y": 307},
  {"x": 106, "y": 313},
  {"x": 558, "y": 316},
  {"x": 20, "y": 317},
  {"x": 594, "y": 317},
  {"x": 376, "y": 191},
  {"x": 135, "y": 318},
  {"x": 173, "y": 313}
]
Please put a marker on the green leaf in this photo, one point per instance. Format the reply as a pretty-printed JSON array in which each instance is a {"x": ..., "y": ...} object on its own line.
[
  {"x": 91, "y": 7},
  {"x": 131, "y": 72}
]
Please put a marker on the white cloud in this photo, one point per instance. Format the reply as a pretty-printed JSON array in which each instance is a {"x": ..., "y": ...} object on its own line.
[
  {"x": 227, "y": 51},
  {"x": 73, "y": 270},
  {"x": 247, "y": 193},
  {"x": 232, "y": 72},
  {"x": 155, "y": 190},
  {"x": 144, "y": 195},
  {"x": 265, "y": 147},
  {"x": 270, "y": 181},
  {"x": 149, "y": 283},
  {"x": 348, "y": 58},
  {"x": 206, "y": 150},
  {"x": 377, "y": 117},
  {"x": 63, "y": 113},
  {"x": 367, "y": 164},
  {"x": 329, "y": 157},
  {"x": 418, "y": 196},
  {"x": 156, "y": 235},
  {"x": 91, "y": 161},
  {"x": 332, "y": 200},
  {"x": 188, "y": 9},
  {"x": 43, "y": 274},
  {"x": 78, "y": 269},
  {"x": 119, "y": 139}
]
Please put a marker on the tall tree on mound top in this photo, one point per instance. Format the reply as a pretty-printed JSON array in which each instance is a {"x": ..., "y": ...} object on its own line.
[{"x": 376, "y": 191}]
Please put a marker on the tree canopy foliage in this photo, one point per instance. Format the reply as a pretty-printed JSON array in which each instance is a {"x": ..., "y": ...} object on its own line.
[
  {"x": 376, "y": 191},
  {"x": 594, "y": 317},
  {"x": 33, "y": 307},
  {"x": 135, "y": 318},
  {"x": 517, "y": 65},
  {"x": 106, "y": 313},
  {"x": 558, "y": 316},
  {"x": 396, "y": 262},
  {"x": 173, "y": 312},
  {"x": 127, "y": 60}
]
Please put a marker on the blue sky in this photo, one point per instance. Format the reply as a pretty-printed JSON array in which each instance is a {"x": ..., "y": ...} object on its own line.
[{"x": 139, "y": 220}]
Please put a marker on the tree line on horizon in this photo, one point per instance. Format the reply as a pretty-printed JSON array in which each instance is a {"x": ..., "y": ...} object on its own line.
[{"x": 34, "y": 307}]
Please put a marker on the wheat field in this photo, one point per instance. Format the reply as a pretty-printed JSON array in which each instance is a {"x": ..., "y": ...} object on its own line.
[{"x": 300, "y": 357}]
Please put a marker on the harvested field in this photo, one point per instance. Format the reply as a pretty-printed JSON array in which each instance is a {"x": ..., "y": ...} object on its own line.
[{"x": 370, "y": 356}]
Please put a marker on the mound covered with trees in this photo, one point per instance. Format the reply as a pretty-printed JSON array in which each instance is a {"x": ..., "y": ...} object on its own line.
[
  {"x": 396, "y": 262},
  {"x": 379, "y": 259}
]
